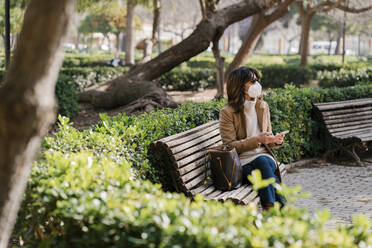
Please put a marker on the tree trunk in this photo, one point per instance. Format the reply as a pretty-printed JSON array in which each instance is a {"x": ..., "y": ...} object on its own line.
[
  {"x": 249, "y": 43},
  {"x": 117, "y": 43},
  {"x": 220, "y": 61},
  {"x": 330, "y": 46},
  {"x": 130, "y": 33},
  {"x": 147, "y": 43},
  {"x": 147, "y": 50},
  {"x": 305, "y": 34},
  {"x": 27, "y": 102},
  {"x": 338, "y": 48},
  {"x": 259, "y": 22},
  {"x": 7, "y": 33},
  {"x": 77, "y": 41},
  {"x": 111, "y": 94},
  {"x": 156, "y": 22}
]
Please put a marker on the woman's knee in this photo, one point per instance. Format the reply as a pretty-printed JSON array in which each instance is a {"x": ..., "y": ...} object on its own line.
[{"x": 265, "y": 165}]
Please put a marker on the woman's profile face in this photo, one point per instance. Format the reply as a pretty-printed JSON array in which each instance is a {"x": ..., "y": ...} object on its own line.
[{"x": 246, "y": 87}]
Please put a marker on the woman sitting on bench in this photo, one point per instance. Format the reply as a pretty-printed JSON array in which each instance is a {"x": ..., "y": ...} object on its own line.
[{"x": 245, "y": 124}]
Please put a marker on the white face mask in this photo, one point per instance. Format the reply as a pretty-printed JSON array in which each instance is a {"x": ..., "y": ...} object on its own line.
[{"x": 255, "y": 90}]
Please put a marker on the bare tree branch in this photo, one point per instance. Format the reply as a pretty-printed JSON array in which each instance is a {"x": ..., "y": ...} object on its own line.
[{"x": 353, "y": 10}]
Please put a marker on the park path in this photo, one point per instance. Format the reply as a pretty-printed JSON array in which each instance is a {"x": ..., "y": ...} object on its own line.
[{"x": 345, "y": 190}]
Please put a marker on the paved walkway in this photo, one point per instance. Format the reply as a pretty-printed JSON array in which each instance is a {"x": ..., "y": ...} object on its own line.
[{"x": 344, "y": 190}]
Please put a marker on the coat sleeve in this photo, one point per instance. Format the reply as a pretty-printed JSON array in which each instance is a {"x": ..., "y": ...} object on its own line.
[{"x": 228, "y": 134}]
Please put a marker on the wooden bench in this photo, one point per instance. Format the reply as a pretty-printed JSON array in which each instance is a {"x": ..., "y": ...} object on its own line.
[
  {"x": 184, "y": 154},
  {"x": 348, "y": 124}
]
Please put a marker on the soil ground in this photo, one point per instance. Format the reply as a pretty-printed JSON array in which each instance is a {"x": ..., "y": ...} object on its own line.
[{"x": 88, "y": 115}]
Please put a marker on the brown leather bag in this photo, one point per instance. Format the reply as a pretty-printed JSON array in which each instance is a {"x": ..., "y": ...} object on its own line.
[{"x": 225, "y": 167}]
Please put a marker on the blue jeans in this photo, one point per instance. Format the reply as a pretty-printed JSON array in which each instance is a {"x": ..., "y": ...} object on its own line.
[{"x": 267, "y": 168}]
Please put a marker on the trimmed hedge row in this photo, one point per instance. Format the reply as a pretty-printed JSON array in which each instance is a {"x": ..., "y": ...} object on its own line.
[
  {"x": 201, "y": 74},
  {"x": 344, "y": 78},
  {"x": 78, "y": 200},
  {"x": 188, "y": 79}
]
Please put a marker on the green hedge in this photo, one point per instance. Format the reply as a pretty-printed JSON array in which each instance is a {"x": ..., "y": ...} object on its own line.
[
  {"x": 344, "y": 78},
  {"x": 77, "y": 200},
  {"x": 276, "y": 76},
  {"x": 188, "y": 79}
]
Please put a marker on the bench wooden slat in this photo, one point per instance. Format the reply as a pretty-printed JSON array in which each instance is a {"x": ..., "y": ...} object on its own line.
[
  {"x": 364, "y": 116},
  {"x": 233, "y": 193},
  {"x": 209, "y": 190},
  {"x": 244, "y": 193},
  {"x": 188, "y": 132},
  {"x": 200, "y": 147},
  {"x": 344, "y": 111},
  {"x": 194, "y": 165},
  {"x": 214, "y": 195},
  {"x": 351, "y": 132},
  {"x": 343, "y": 104},
  {"x": 194, "y": 173},
  {"x": 196, "y": 141},
  {"x": 336, "y": 130},
  {"x": 250, "y": 198},
  {"x": 197, "y": 180},
  {"x": 348, "y": 124},
  {"x": 348, "y": 115},
  {"x": 202, "y": 187},
  {"x": 193, "y": 157},
  {"x": 359, "y": 135},
  {"x": 188, "y": 138},
  {"x": 226, "y": 194}
]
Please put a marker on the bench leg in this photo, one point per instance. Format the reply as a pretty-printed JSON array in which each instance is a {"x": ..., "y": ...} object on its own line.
[{"x": 353, "y": 154}]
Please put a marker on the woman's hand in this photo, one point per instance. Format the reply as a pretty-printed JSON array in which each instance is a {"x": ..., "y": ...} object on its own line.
[
  {"x": 279, "y": 139},
  {"x": 267, "y": 138}
]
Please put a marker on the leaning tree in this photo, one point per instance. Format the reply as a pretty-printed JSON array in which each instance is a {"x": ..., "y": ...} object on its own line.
[
  {"x": 137, "y": 88},
  {"x": 27, "y": 101},
  {"x": 259, "y": 22}
]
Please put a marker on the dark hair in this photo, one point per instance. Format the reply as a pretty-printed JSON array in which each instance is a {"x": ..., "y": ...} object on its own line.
[{"x": 235, "y": 86}]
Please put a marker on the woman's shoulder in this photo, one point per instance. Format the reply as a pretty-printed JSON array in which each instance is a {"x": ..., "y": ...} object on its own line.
[{"x": 227, "y": 109}]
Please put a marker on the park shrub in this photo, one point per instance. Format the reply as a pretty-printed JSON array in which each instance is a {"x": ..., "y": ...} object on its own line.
[
  {"x": 344, "y": 77},
  {"x": 276, "y": 76},
  {"x": 184, "y": 78},
  {"x": 78, "y": 200}
]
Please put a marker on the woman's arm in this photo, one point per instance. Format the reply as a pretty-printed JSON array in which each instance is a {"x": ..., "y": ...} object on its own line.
[{"x": 228, "y": 134}]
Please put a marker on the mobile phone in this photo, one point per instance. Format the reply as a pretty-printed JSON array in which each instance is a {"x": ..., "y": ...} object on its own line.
[{"x": 284, "y": 132}]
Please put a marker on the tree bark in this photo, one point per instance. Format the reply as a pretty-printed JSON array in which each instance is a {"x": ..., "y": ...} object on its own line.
[
  {"x": 27, "y": 102},
  {"x": 219, "y": 65},
  {"x": 249, "y": 43},
  {"x": 130, "y": 33},
  {"x": 117, "y": 43},
  {"x": 149, "y": 43},
  {"x": 7, "y": 33},
  {"x": 110, "y": 94},
  {"x": 305, "y": 34},
  {"x": 259, "y": 22},
  {"x": 339, "y": 40}
]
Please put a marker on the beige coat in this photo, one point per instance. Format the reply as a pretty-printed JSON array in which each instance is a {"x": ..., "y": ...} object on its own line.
[{"x": 233, "y": 129}]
